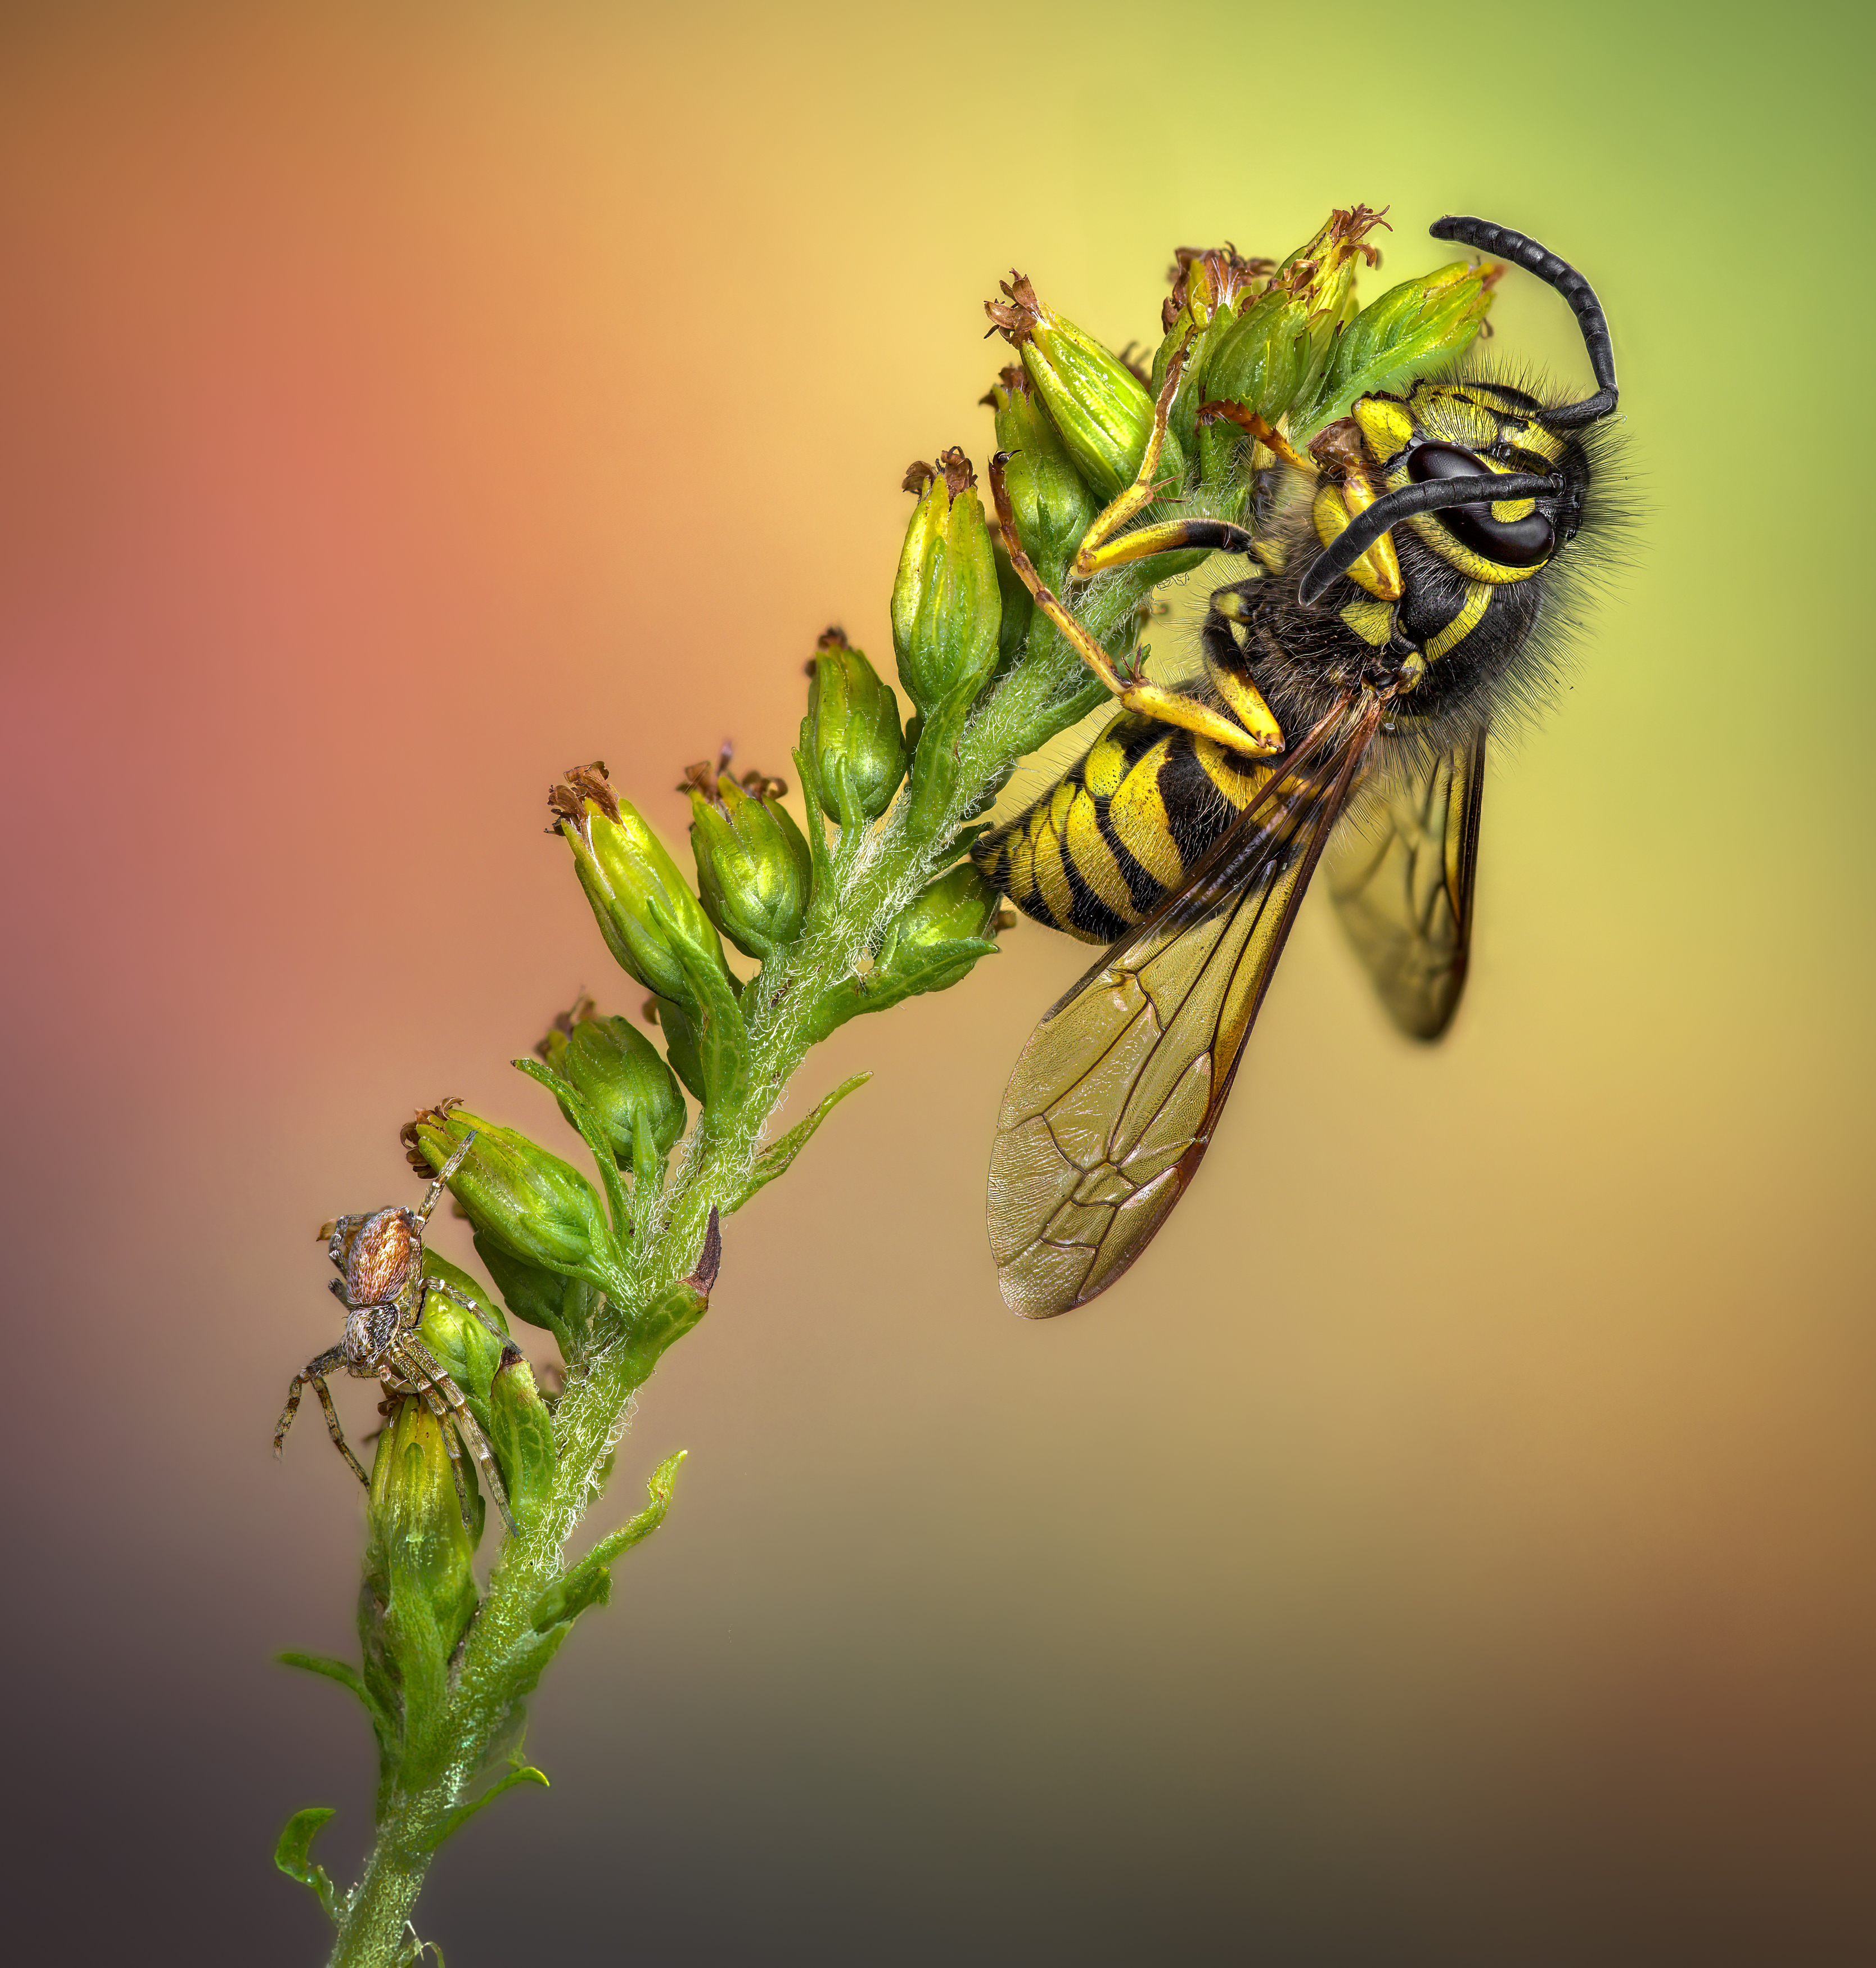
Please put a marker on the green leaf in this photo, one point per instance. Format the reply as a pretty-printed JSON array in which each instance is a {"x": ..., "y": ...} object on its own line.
[
  {"x": 775, "y": 1158},
  {"x": 519, "y": 1772},
  {"x": 936, "y": 966},
  {"x": 349, "y": 1678},
  {"x": 589, "y": 1582},
  {"x": 293, "y": 1855}
]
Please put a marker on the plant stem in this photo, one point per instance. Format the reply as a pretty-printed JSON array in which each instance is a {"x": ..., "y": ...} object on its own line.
[{"x": 876, "y": 874}]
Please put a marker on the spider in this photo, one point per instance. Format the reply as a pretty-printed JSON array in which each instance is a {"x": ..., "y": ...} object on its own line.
[{"x": 383, "y": 1290}]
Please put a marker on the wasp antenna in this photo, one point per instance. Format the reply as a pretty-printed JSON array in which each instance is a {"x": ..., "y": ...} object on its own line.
[
  {"x": 1525, "y": 252},
  {"x": 1368, "y": 525}
]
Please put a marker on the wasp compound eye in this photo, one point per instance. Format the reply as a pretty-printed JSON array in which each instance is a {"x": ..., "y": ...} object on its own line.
[{"x": 1525, "y": 543}]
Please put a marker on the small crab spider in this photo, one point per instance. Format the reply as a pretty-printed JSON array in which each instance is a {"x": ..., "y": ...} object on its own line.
[{"x": 383, "y": 1289}]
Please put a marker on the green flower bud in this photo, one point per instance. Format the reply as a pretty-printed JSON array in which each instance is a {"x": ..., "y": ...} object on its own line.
[
  {"x": 518, "y": 1196},
  {"x": 1419, "y": 323},
  {"x": 1210, "y": 289},
  {"x": 931, "y": 945},
  {"x": 419, "y": 1590},
  {"x": 1100, "y": 407},
  {"x": 631, "y": 881},
  {"x": 618, "y": 1073},
  {"x": 562, "y": 1306},
  {"x": 1261, "y": 359},
  {"x": 959, "y": 906},
  {"x": 946, "y": 607},
  {"x": 1050, "y": 498},
  {"x": 520, "y": 1431},
  {"x": 1273, "y": 356},
  {"x": 466, "y": 1348},
  {"x": 754, "y": 872},
  {"x": 852, "y": 732}
]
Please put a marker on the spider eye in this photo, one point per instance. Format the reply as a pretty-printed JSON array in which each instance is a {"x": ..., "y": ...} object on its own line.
[{"x": 1525, "y": 543}]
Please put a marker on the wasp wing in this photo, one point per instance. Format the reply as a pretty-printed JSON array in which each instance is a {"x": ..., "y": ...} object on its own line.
[
  {"x": 1401, "y": 872},
  {"x": 1111, "y": 1105}
]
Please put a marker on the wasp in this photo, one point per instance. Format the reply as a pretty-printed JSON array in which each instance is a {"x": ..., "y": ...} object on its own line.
[{"x": 1410, "y": 577}]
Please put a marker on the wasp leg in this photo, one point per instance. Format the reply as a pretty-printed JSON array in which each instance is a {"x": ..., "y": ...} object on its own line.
[
  {"x": 413, "y": 1354},
  {"x": 1095, "y": 551},
  {"x": 434, "y": 1194},
  {"x": 1253, "y": 425},
  {"x": 1152, "y": 700},
  {"x": 1169, "y": 535},
  {"x": 313, "y": 1376},
  {"x": 1346, "y": 491},
  {"x": 1226, "y": 664}
]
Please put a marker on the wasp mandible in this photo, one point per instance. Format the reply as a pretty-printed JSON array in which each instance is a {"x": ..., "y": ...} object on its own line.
[{"x": 1409, "y": 576}]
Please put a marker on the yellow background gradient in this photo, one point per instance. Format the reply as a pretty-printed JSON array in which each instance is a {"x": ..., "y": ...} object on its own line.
[{"x": 1453, "y": 1544}]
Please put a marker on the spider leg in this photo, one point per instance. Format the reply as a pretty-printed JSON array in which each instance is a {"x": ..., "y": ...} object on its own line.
[
  {"x": 434, "y": 1402},
  {"x": 434, "y": 1194},
  {"x": 416, "y": 1359},
  {"x": 313, "y": 1376},
  {"x": 462, "y": 1299}
]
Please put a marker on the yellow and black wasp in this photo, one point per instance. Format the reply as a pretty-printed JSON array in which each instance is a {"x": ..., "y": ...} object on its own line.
[{"x": 1410, "y": 575}]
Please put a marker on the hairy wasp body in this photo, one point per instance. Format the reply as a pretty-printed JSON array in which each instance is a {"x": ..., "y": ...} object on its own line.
[{"x": 1405, "y": 586}]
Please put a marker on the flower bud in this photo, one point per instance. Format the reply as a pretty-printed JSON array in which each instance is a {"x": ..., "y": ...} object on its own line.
[
  {"x": 852, "y": 732},
  {"x": 1261, "y": 359},
  {"x": 753, "y": 869},
  {"x": 466, "y": 1348},
  {"x": 1419, "y": 323},
  {"x": 1051, "y": 499},
  {"x": 946, "y": 606},
  {"x": 1273, "y": 358},
  {"x": 520, "y": 1431},
  {"x": 1210, "y": 289},
  {"x": 562, "y": 1306},
  {"x": 958, "y": 907},
  {"x": 420, "y": 1585},
  {"x": 1100, "y": 407},
  {"x": 631, "y": 880},
  {"x": 521, "y": 1197},
  {"x": 932, "y": 944},
  {"x": 617, "y": 1072}
]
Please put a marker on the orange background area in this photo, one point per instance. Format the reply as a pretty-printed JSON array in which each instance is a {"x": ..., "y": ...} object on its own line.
[{"x": 1453, "y": 1543}]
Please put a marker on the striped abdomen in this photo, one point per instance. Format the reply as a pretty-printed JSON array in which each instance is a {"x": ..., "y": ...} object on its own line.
[{"x": 1100, "y": 851}]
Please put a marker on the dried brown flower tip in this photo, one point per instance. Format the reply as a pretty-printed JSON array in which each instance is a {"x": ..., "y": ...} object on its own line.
[
  {"x": 959, "y": 478},
  {"x": 919, "y": 475},
  {"x": 1016, "y": 317},
  {"x": 582, "y": 1008},
  {"x": 407, "y": 1135},
  {"x": 567, "y": 800}
]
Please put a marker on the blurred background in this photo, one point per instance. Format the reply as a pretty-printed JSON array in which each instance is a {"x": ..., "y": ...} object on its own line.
[{"x": 1453, "y": 1545}]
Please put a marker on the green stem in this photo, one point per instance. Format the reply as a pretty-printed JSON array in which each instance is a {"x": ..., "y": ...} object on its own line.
[{"x": 874, "y": 877}]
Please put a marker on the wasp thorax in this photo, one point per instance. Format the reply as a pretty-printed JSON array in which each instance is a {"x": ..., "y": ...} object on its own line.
[{"x": 380, "y": 1257}]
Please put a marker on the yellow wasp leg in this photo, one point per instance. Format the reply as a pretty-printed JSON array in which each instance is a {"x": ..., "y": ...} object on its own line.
[
  {"x": 1169, "y": 535},
  {"x": 1090, "y": 557},
  {"x": 1171, "y": 706},
  {"x": 1339, "y": 444}
]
